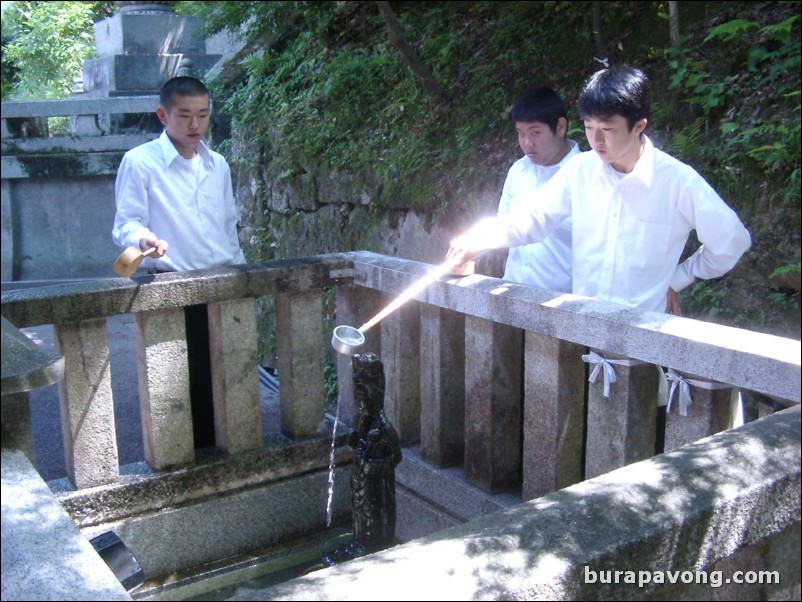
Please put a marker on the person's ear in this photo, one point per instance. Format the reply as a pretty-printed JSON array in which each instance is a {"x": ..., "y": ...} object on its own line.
[
  {"x": 162, "y": 115},
  {"x": 562, "y": 127},
  {"x": 640, "y": 126}
]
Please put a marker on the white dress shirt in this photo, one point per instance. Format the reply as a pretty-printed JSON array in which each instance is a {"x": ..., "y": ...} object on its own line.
[
  {"x": 187, "y": 202},
  {"x": 629, "y": 230},
  {"x": 544, "y": 264}
]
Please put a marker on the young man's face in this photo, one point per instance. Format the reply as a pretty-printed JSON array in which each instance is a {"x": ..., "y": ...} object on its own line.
[
  {"x": 186, "y": 122},
  {"x": 614, "y": 142},
  {"x": 539, "y": 143}
]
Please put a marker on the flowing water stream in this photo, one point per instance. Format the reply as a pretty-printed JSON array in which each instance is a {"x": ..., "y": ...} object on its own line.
[{"x": 331, "y": 466}]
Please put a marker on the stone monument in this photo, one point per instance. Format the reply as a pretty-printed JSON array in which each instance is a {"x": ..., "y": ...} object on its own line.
[
  {"x": 141, "y": 47},
  {"x": 377, "y": 451}
]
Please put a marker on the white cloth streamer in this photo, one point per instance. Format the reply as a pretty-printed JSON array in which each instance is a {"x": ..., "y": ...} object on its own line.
[
  {"x": 606, "y": 365},
  {"x": 684, "y": 383}
]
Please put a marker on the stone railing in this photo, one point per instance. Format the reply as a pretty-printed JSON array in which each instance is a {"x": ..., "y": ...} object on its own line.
[
  {"x": 482, "y": 375},
  {"x": 57, "y": 188},
  {"x": 88, "y": 116}
]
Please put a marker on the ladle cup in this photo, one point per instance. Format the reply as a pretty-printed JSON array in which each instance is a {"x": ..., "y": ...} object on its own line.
[
  {"x": 129, "y": 260},
  {"x": 346, "y": 339}
]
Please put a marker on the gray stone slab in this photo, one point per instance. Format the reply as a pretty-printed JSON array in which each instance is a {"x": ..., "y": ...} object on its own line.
[
  {"x": 25, "y": 365},
  {"x": 443, "y": 488},
  {"x": 178, "y": 537},
  {"x": 44, "y": 555},
  {"x": 149, "y": 34},
  {"x": 681, "y": 511}
]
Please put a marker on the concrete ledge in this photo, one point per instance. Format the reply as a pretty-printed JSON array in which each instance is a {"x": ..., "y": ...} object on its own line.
[
  {"x": 103, "y": 297},
  {"x": 25, "y": 365},
  {"x": 691, "y": 509},
  {"x": 424, "y": 492},
  {"x": 180, "y": 537},
  {"x": 44, "y": 555},
  {"x": 61, "y": 165},
  {"x": 74, "y": 144},
  {"x": 79, "y": 106}
]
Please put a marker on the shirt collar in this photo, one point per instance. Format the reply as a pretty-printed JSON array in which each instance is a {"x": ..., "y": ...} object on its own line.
[
  {"x": 644, "y": 167},
  {"x": 573, "y": 150},
  {"x": 170, "y": 152}
]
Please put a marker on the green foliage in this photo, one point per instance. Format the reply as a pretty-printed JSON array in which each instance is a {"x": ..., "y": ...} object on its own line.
[
  {"x": 330, "y": 382},
  {"x": 325, "y": 89},
  {"x": 791, "y": 268},
  {"x": 756, "y": 106},
  {"x": 729, "y": 31},
  {"x": 707, "y": 298},
  {"x": 44, "y": 44},
  {"x": 321, "y": 88},
  {"x": 783, "y": 296},
  {"x": 330, "y": 386}
]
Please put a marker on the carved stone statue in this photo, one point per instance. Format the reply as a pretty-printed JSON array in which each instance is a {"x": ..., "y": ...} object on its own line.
[{"x": 377, "y": 451}]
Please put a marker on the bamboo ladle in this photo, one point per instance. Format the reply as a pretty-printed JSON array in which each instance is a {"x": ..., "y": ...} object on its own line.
[{"x": 129, "y": 260}]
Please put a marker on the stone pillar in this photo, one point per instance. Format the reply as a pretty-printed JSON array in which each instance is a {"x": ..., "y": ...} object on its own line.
[
  {"x": 7, "y": 229},
  {"x": 442, "y": 386},
  {"x": 355, "y": 305},
  {"x": 621, "y": 428},
  {"x": 493, "y": 364},
  {"x": 299, "y": 340},
  {"x": 161, "y": 348},
  {"x": 710, "y": 412},
  {"x": 400, "y": 333},
  {"x": 235, "y": 377},
  {"x": 554, "y": 413},
  {"x": 87, "y": 406}
]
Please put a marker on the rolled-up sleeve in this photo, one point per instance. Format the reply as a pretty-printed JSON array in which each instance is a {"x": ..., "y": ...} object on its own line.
[
  {"x": 723, "y": 237},
  {"x": 131, "y": 197}
]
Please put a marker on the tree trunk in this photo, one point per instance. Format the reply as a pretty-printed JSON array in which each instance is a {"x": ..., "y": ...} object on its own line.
[
  {"x": 673, "y": 24},
  {"x": 436, "y": 93},
  {"x": 598, "y": 34}
]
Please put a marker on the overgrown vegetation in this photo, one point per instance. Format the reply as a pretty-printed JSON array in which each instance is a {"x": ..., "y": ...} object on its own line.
[
  {"x": 44, "y": 44},
  {"x": 739, "y": 125},
  {"x": 329, "y": 85},
  {"x": 323, "y": 88},
  {"x": 323, "y": 85}
]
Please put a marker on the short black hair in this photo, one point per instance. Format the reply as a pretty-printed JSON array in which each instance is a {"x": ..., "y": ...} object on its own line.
[
  {"x": 618, "y": 90},
  {"x": 183, "y": 85},
  {"x": 539, "y": 103}
]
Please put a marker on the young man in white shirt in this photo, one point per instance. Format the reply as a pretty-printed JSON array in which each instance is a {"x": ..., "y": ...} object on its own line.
[
  {"x": 541, "y": 122},
  {"x": 632, "y": 205},
  {"x": 174, "y": 192}
]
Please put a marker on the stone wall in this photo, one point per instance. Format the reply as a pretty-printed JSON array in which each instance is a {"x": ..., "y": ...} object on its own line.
[{"x": 328, "y": 212}]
